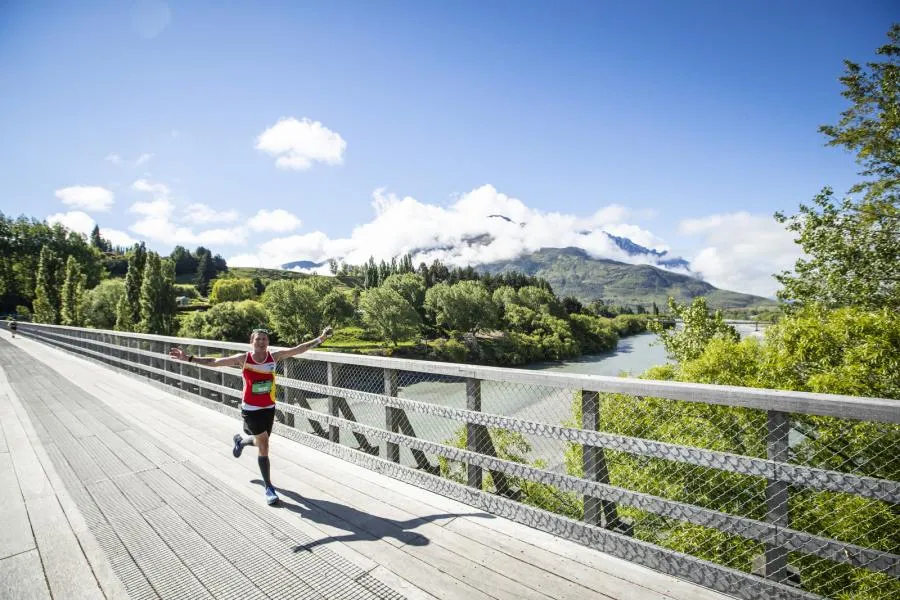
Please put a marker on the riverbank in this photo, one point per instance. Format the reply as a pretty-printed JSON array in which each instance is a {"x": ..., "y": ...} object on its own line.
[{"x": 540, "y": 341}]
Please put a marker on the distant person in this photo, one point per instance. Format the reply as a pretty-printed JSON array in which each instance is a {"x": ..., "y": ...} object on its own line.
[
  {"x": 258, "y": 406},
  {"x": 13, "y": 325}
]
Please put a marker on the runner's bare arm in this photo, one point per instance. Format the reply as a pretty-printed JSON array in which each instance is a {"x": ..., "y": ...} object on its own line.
[
  {"x": 234, "y": 360},
  {"x": 301, "y": 348}
]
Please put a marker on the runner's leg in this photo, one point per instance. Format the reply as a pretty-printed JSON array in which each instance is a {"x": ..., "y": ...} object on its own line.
[{"x": 262, "y": 445}]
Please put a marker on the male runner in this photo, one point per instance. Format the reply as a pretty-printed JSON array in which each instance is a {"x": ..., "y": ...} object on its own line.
[{"x": 258, "y": 406}]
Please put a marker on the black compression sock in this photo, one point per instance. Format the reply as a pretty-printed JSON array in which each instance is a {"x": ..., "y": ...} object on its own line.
[{"x": 264, "y": 470}]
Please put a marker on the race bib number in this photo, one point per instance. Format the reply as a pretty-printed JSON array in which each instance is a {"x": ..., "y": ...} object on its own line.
[{"x": 261, "y": 387}]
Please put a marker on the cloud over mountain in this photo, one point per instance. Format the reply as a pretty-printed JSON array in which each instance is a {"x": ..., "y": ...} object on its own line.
[{"x": 481, "y": 226}]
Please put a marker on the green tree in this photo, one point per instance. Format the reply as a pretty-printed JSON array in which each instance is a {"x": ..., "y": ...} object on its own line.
[
  {"x": 259, "y": 286},
  {"x": 128, "y": 313},
  {"x": 185, "y": 262},
  {"x": 99, "y": 304},
  {"x": 852, "y": 246},
  {"x": 410, "y": 286},
  {"x": 463, "y": 306},
  {"x": 97, "y": 241},
  {"x": 157, "y": 296},
  {"x": 538, "y": 299},
  {"x": 227, "y": 321},
  {"x": 337, "y": 309},
  {"x": 72, "y": 293},
  {"x": 21, "y": 243},
  {"x": 388, "y": 314},
  {"x": 232, "y": 290},
  {"x": 47, "y": 299},
  {"x": 206, "y": 270},
  {"x": 850, "y": 350},
  {"x": 699, "y": 328},
  {"x": 295, "y": 310}
]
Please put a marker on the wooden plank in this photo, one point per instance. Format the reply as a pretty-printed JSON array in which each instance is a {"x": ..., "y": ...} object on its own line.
[
  {"x": 584, "y": 559},
  {"x": 185, "y": 423},
  {"x": 32, "y": 480},
  {"x": 400, "y": 585},
  {"x": 65, "y": 566},
  {"x": 4, "y": 409},
  {"x": 15, "y": 530},
  {"x": 100, "y": 567},
  {"x": 99, "y": 564},
  {"x": 418, "y": 572},
  {"x": 22, "y": 578},
  {"x": 551, "y": 563}
]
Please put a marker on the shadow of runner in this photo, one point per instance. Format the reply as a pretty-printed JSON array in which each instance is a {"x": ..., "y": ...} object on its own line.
[{"x": 362, "y": 526}]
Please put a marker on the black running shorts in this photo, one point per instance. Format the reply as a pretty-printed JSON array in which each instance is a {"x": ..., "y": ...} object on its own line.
[{"x": 258, "y": 421}]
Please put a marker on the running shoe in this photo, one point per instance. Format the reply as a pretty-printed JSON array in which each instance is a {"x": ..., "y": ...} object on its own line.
[
  {"x": 238, "y": 446},
  {"x": 271, "y": 496}
]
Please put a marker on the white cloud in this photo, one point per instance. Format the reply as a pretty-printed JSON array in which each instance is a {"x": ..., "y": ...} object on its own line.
[
  {"x": 278, "y": 220},
  {"x": 80, "y": 222},
  {"x": 156, "y": 223},
  {"x": 159, "y": 209},
  {"x": 117, "y": 237},
  {"x": 145, "y": 185},
  {"x": 165, "y": 231},
  {"x": 75, "y": 220},
  {"x": 201, "y": 213},
  {"x": 299, "y": 144},
  {"x": 742, "y": 251},
  {"x": 87, "y": 197},
  {"x": 175, "y": 133},
  {"x": 160, "y": 190},
  {"x": 140, "y": 160},
  {"x": 462, "y": 233}
]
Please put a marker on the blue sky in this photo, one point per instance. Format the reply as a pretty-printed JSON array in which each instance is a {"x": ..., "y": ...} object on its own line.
[{"x": 682, "y": 124}]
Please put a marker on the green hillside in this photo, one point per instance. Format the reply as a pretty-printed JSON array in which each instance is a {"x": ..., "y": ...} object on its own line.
[{"x": 572, "y": 272}]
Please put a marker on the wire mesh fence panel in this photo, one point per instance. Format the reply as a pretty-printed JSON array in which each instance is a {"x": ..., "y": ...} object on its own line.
[{"x": 796, "y": 500}]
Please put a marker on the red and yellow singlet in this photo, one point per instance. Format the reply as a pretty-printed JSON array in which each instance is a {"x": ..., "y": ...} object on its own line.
[{"x": 259, "y": 382}]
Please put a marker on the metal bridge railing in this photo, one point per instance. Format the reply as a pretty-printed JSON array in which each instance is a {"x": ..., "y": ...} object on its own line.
[{"x": 756, "y": 493}]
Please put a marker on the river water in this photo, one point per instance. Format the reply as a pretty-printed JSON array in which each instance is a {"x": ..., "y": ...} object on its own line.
[{"x": 632, "y": 356}]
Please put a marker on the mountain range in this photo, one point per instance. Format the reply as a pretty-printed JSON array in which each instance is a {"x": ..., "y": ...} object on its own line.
[{"x": 573, "y": 272}]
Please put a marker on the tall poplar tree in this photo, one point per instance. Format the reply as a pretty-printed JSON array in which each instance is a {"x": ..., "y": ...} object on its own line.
[
  {"x": 128, "y": 314},
  {"x": 72, "y": 294},
  {"x": 46, "y": 291}
]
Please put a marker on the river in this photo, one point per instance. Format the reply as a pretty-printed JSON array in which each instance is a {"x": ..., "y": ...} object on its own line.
[{"x": 633, "y": 355}]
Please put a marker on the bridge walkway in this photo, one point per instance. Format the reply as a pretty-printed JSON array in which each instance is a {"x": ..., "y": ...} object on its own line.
[{"x": 114, "y": 488}]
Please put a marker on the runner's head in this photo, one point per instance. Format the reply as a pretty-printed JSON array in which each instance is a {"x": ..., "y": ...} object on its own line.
[{"x": 259, "y": 339}]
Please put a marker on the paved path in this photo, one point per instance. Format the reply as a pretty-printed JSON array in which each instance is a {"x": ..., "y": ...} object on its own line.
[{"x": 113, "y": 488}]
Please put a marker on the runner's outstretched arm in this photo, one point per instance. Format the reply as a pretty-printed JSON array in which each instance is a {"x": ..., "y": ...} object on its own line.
[
  {"x": 301, "y": 348},
  {"x": 235, "y": 360}
]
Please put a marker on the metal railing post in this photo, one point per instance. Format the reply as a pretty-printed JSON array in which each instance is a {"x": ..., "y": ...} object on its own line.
[
  {"x": 333, "y": 373},
  {"x": 474, "y": 433},
  {"x": 391, "y": 418},
  {"x": 596, "y": 511},
  {"x": 778, "y": 426}
]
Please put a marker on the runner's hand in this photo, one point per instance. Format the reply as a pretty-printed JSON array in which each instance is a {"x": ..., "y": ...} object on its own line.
[{"x": 326, "y": 333}]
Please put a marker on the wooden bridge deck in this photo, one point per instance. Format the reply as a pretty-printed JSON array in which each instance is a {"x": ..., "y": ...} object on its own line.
[{"x": 113, "y": 488}]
